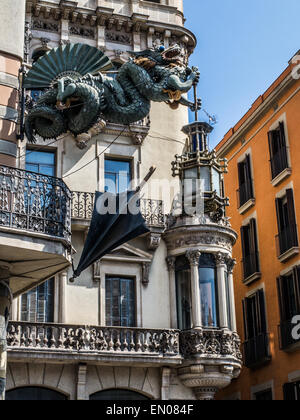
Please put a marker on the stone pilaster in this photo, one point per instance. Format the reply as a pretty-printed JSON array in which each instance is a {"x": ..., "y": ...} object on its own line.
[
  {"x": 172, "y": 287},
  {"x": 81, "y": 382},
  {"x": 230, "y": 267}
]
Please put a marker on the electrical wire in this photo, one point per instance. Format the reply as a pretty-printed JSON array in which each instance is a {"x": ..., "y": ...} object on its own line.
[{"x": 91, "y": 161}]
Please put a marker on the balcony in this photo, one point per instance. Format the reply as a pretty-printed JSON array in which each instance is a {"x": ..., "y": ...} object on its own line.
[
  {"x": 88, "y": 343},
  {"x": 287, "y": 243},
  {"x": 251, "y": 268},
  {"x": 83, "y": 205},
  {"x": 35, "y": 225},
  {"x": 286, "y": 340},
  {"x": 257, "y": 351}
]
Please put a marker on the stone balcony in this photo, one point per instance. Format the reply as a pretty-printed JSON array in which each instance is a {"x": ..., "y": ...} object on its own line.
[
  {"x": 67, "y": 343},
  {"x": 190, "y": 351},
  {"x": 35, "y": 227}
]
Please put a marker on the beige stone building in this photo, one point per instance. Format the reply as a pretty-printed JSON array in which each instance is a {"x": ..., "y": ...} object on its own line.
[{"x": 154, "y": 319}]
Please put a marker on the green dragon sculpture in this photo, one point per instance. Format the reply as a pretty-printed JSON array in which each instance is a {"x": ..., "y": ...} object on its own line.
[{"x": 80, "y": 92}]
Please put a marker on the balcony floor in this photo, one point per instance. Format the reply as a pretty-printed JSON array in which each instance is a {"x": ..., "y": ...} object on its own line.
[{"x": 33, "y": 258}]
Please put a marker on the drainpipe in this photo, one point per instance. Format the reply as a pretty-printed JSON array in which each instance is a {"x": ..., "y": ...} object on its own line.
[{"x": 5, "y": 305}]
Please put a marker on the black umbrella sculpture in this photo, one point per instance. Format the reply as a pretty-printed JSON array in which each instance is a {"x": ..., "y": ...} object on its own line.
[{"x": 110, "y": 229}]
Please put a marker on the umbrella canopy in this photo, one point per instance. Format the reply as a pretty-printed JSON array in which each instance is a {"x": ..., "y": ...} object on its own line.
[{"x": 108, "y": 231}]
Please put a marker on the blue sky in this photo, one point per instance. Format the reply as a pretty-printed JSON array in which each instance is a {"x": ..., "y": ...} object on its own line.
[{"x": 243, "y": 46}]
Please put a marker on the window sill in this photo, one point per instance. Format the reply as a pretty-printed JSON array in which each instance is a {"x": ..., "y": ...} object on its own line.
[
  {"x": 251, "y": 279},
  {"x": 245, "y": 207},
  {"x": 289, "y": 254},
  {"x": 281, "y": 177}
]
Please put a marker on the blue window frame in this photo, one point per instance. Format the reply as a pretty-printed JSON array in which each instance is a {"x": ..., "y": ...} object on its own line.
[
  {"x": 120, "y": 302},
  {"x": 117, "y": 175},
  {"x": 183, "y": 293},
  {"x": 208, "y": 288},
  {"x": 41, "y": 162}
]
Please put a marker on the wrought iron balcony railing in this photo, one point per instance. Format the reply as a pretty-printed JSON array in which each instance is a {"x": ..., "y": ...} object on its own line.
[
  {"x": 97, "y": 340},
  {"x": 287, "y": 239},
  {"x": 257, "y": 351},
  {"x": 35, "y": 203},
  {"x": 286, "y": 339},
  {"x": 83, "y": 205}
]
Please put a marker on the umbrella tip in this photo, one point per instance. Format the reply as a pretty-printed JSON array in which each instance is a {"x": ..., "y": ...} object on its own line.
[{"x": 72, "y": 280}]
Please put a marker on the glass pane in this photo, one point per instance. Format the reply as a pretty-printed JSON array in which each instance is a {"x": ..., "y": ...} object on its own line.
[
  {"x": 183, "y": 291},
  {"x": 39, "y": 157},
  {"x": 208, "y": 296},
  {"x": 119, "y": 173},
  {"x": 228, "y": 301},
  {"x": 205, "y": 176},
  {"x": 216, "y": 181},
  {"x": 120, "y": 302}
]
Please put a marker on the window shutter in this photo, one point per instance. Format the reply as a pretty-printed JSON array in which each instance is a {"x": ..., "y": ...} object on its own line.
[
  {"x": 280, "y": 298},
  {"x": 278, "y": 213},
  {"x": 243, "y": 238},
  {"x": 253, "y": 243},
  {"x": 249, "y": 176},
  {"x": 291, "y": 206},
  {"x": 32, "y": 307},
  {"x": 282, "y": 136},
  {"x": 24, "y": 307},
  {"x": 241, "y": 172},
  {"x": 261, "y": 312},
  {"x": 270, "y": 137},
  {"x": 245, "y": 313},
  {"x": 289, "y": 392}
]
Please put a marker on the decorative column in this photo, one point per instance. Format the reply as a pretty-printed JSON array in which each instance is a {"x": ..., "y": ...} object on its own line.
[
  {"x": 221, "y": 270},
  {"x": 172, "y": 287},
  {"x": 230, "y": 266},
  {"x": 193, "y": 256},
  {"x": 63, "y": 278},
  {"x": 5, "y": 305}
]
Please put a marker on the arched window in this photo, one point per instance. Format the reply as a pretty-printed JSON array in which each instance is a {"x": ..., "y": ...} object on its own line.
[
  {"x": 34, "y": 393},
  {"x": 183, "y": 292},
  {"x": 118, "y": 395},
  {"x": 208, "y": 290}
]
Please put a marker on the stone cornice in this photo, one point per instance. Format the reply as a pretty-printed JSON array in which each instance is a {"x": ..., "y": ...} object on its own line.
[{"x": 103, "y": 16}]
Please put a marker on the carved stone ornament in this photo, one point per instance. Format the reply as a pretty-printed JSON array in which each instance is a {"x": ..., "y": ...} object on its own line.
[
  {"x": 193, "y": 256},
  {"x": 171, "y": 261},
  {"x": 220, "y": 258},
  {"x": 154, "y": 240},
  {"x": 146, "y": 273}
]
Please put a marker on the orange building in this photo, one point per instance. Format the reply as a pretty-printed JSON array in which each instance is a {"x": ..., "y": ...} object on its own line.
[{"x": 263, "y": 183}]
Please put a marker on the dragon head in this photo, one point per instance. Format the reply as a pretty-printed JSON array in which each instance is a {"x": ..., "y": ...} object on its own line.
[{"x": 160, "y": 56}]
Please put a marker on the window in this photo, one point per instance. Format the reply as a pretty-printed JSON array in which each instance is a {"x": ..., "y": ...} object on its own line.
[
  {"x": 38, "y": 304},
  {"x": 245, "y": 192},
  {"x": 278, "y": 150},
  {"x": 120, "y": 302},
  {"x": 256, "y": 346},
  {"x": 208, "y": 290},
  {"x": 183, "y": 292},
  {"x": 34, "y": 394},
  {"x": 117, "y": 175},
  {"x": 41, "y": 162},
  {"x": 118, "y": 395},
  {"x": 287, "y": 237},
  {"x": 291, "y": 391},
  {"x": 266, "y": 395},
  {"x": 289, "y": 303},
  {"x": 249, "y": 241}
]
